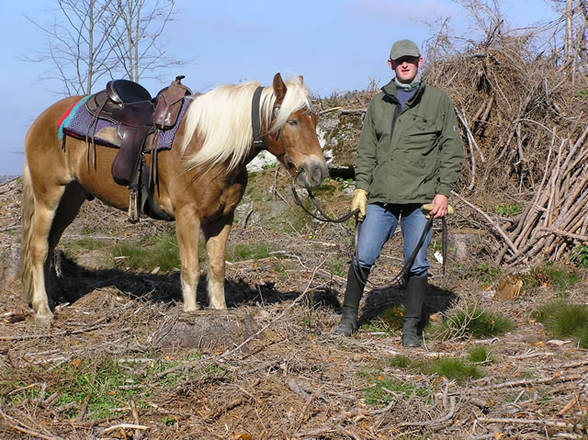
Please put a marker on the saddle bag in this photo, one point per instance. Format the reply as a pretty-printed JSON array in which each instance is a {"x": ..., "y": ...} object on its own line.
[{"x": 168, "y": 104}]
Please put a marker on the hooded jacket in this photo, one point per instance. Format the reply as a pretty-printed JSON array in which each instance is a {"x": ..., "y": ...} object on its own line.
[{"x": 408, "y": 156}]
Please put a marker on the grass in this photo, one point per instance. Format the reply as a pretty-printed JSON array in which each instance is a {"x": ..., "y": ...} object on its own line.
[
  {"x": 565, "y": 320},
  {"x": 246, "y": 251},
  {"x": 453, "y": 369},
  {"x": 381, "y": 390},
  {"x": 561, "y": 277},
  {"x": 479, "y": 354},
  {"x": 471, "y": 320},
  {"x": 156, "y": 251},
  {"x": 106, "y": 384}
]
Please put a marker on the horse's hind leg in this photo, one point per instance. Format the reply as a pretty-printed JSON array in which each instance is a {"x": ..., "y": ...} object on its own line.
[
  {"x": 216, "y": 242},
  {"x": 41, "y": 231},
  {"x": 72, "y": 199}
]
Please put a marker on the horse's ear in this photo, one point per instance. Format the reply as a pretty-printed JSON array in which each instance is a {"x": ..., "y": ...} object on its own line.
[
  {"x": 279, "y": 88},
  {"x": 301, "y": 78}
]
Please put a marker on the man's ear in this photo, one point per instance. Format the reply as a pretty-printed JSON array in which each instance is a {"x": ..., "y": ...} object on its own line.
[
  {"x": 420, "y": 62},
  {"x": 279, "y": 88}
]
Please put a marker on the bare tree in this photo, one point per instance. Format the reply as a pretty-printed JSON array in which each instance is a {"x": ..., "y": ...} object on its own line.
[
  {"x": 79, "y": 44},
  {"x": 137, "y": 36},
  {"x": 91, "y": 40}
]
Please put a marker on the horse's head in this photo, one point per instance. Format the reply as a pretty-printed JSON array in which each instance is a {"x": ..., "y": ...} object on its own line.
[{"x": 292, "y": 136}]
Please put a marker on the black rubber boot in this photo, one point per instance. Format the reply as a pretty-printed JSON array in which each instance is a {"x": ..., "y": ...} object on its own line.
[
  {"x": 353, "y": 292},
  {"x": 412, "y": 331}
]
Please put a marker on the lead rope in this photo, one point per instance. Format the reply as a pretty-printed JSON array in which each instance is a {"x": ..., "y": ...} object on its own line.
[
  {"x": 398, "y": 280},
  {"x": 323, "y": 216}
]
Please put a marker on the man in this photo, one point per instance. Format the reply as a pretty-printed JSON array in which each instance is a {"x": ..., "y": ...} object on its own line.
[{"x": 409, "y": 153}]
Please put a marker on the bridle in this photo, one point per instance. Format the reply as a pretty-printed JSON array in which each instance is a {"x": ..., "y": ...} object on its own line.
[{"x": 284, "y": 157}]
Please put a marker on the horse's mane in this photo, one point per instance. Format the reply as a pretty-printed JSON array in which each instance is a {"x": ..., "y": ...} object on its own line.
[{"x": 222, "y": 119}]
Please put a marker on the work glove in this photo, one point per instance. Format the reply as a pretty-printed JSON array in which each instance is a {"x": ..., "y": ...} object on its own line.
[
  {"x": 427, "y": 207},
  {"x": 359, "y": 202}
]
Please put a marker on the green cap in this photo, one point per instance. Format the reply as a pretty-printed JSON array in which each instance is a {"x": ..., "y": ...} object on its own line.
[{"x": 404, "y": 48}]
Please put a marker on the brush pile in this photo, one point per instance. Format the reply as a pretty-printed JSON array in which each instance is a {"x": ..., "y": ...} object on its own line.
[{"x": 524, "y": 125}]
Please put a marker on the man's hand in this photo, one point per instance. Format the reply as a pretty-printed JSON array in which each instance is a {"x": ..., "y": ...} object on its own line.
[
  {"x": 359, "y": 202},
  {"x": 440, "y": 206}
]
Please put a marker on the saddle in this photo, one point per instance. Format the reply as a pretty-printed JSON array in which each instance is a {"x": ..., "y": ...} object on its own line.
[{"x": 136, "y": 115}]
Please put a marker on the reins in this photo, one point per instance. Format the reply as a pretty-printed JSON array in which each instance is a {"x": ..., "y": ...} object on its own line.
[{"x": 323, "y": 216}]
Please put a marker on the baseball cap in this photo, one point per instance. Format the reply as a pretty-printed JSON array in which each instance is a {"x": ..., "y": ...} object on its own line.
[{"x": 404, "y": 48}]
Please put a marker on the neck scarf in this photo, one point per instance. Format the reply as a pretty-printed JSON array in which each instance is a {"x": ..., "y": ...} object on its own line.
[{"x": 412, "y": 85}]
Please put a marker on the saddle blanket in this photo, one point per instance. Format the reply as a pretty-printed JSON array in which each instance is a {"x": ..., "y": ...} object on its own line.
[{"x": 76, "y": 122}]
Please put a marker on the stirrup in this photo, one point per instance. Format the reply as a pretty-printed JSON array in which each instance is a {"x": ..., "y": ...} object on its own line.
[{"x": 133, "y": 204}]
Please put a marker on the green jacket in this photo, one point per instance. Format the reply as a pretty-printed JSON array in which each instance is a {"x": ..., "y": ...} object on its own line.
[{"x": 409, "y": 156}]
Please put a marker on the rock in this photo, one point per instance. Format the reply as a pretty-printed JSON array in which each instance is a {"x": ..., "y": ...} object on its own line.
[{"x": 463, "y": 243}]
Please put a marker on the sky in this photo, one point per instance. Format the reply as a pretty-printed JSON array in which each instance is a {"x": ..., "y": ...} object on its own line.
[{"x": 337, "y": 45}]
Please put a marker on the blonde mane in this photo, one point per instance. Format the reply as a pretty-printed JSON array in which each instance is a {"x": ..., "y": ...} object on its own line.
[{"x": 222, "y": 119}]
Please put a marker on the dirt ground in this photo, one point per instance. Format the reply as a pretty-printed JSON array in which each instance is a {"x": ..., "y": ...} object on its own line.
[{"x": 268, "y": 367}]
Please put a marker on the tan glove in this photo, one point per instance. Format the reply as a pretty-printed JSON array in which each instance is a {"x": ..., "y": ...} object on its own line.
[
  {"x": 359, "y": 202},
  {"x": 427, "y": 207}
]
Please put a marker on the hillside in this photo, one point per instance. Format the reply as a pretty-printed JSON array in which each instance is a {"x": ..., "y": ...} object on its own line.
[{"x": 123, "y": 361}]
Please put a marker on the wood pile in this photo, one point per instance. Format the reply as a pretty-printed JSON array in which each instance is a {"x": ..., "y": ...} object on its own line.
[{"x": 524, "y": 128}]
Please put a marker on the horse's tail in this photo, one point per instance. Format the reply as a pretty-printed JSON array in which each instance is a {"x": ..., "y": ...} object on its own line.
[{"x": 27, "y": 212}]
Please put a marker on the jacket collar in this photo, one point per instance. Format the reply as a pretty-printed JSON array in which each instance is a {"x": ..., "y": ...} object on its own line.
[{"x": 390, "y": 92}]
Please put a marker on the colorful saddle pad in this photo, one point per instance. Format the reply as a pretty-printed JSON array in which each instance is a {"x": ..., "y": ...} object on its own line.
[{"x": 76, "y": 121}]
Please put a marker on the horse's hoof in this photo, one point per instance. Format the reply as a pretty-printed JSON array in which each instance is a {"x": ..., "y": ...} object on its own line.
[
  {"x": 43, "y": 321},
  {"x": 190, "y": 309}
]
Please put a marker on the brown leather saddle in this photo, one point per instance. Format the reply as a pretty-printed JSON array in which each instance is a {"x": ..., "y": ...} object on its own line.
[{"x": 136, "y": 115}]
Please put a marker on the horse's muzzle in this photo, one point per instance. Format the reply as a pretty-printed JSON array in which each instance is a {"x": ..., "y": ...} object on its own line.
[{"x": 312, "y": 172}]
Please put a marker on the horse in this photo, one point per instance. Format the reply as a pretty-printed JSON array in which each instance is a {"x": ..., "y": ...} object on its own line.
[{"x": 201, "y": 179}]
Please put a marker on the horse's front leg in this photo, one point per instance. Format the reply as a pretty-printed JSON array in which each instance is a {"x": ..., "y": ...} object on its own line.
[
  {"x": 216, "y": 236},
  {"x": 188, "y": 234}
]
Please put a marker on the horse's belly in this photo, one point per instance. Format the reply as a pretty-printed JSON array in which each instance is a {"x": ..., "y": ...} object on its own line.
[{"x": 93, "y": 172}]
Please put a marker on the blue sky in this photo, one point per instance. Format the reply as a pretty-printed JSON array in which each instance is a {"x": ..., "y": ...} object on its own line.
[{"x": 337, "y": 45}]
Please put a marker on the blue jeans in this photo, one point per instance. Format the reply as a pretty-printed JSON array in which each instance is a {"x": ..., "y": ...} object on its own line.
[{"x": 379, "y": 225}]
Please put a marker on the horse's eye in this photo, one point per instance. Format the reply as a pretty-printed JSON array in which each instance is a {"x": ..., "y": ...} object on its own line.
[{"x": 293, "y": 122}]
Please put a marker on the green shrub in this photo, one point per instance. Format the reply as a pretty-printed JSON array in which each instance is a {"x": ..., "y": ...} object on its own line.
[
  {"x": 579, "y": 256},
  {"x": 509, "y": 209},
  {"x": 472, "y": 321},
  {"x": 479, "y": 354},
  {"x": 453, "y": 368}
]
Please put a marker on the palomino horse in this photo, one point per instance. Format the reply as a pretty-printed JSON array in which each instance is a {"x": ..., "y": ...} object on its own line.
[{"x": 201, "y": 179}]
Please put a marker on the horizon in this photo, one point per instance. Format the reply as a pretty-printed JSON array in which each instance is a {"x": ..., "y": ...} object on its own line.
[{"x": 249, "y": 42}]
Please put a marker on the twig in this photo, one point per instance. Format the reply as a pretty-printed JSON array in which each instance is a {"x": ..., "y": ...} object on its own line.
[
  {"x": 438, "y": 421},
  {"x": 552, "y": 423},
  {"x": 489, "y": 220},
  {"x": 126, "y": 426},
  {"x": 84, "y": 408},
  {"x": 19, "y": 426}
]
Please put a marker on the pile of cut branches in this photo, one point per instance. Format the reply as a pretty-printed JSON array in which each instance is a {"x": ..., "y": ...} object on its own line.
[{"x": 524, "y": 127}]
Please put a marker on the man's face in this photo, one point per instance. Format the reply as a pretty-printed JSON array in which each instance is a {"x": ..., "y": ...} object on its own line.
[{"x": 406, "y": 68}]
